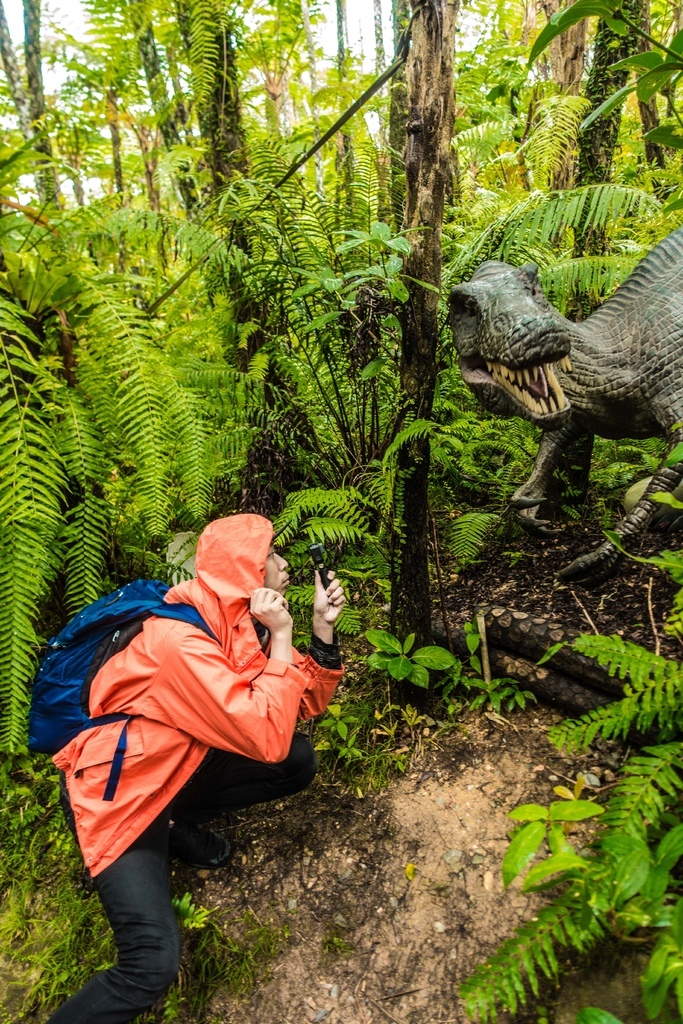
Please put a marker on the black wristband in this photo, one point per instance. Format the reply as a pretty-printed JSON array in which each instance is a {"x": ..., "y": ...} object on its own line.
[{"x": 325, "y": 655}]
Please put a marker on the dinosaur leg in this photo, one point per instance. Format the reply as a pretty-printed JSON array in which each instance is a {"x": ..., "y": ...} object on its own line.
[
  {"x": 531, "y": 494},
  {"x": 598, "y": 565}
]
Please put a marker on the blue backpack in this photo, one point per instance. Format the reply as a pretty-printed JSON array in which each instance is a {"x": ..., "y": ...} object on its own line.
[{"x": 61, "y": 690}]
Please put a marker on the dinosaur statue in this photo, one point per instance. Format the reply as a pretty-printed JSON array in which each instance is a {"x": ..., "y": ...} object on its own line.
[{"x": 617, "y": 374}]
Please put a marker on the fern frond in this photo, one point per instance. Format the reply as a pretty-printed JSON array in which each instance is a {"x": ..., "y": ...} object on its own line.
[
  {"x": 466, "y": 535},
  {"x": 499, "y": 981}
]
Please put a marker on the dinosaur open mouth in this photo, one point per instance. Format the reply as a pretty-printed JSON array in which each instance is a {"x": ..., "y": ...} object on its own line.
[{"x": 535, "y": 387}]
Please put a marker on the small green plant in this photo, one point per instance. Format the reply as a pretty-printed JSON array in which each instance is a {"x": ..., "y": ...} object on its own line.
[
  {"x": 336, "y": 945},
  {"x": 500, "y": 694},
  {"x": 188, "y": 914},
  {"x": 341, "y": 731},
  {"x": 392, "y": 656}
]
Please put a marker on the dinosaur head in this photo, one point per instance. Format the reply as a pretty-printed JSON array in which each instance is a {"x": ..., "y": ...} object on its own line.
[{"x": 511, "y": 342}]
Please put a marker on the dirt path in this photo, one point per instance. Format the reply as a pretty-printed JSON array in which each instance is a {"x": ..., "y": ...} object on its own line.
[{"x": 367, "y": 945}]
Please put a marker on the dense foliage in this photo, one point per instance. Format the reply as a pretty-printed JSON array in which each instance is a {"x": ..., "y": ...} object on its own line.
[{"x": 180, "y": 340}]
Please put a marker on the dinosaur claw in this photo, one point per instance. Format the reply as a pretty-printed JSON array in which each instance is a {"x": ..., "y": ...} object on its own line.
[
  {"x": 521, "y": 503},
  {"x": 593, "y": 568}
]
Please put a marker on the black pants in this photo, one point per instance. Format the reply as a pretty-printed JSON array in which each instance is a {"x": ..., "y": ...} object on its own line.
[{"x": 135, "y": 892}]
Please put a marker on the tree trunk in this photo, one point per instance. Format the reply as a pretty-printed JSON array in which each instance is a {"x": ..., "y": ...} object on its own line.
[
  {"x": 428, "y": 172},
  {"x": 47, "y": 182},
  {"x": 345, "y": 158},
  {"x": 313, "y": 73},
  {"x": 566, "y": 60},
  {"x": 649, "y": 118},
  {"x": 220, "y": 115},
  {"x": 158, "y": 93},
  {"x": 112, "y": 115},
  {"x": 398, "y": 117},
  {"x": 380, "y": 56},
  {"x": 596, "y": 144},
  {"x": 16, "y": 86},
  {"x": 566, "y": 51}
]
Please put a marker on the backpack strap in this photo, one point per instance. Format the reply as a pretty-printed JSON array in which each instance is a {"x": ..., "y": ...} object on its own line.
[
  {"x": 185, "y": 613},
  {"x": 119, "y": 753},
  {"x": 117, "y": 763}
]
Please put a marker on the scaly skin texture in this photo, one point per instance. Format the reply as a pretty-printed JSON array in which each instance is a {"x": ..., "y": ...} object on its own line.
[{"x": 626, "y": 376}]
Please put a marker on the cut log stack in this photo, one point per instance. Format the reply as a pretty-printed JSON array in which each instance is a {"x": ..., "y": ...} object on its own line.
[{"x": 516, "y": 640}]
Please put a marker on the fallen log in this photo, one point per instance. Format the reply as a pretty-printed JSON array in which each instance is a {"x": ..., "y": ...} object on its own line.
[
  {"x": 553, "y": 688},
  {"x": 532, "y": 635},
  {"x": 571, "y": 682}
]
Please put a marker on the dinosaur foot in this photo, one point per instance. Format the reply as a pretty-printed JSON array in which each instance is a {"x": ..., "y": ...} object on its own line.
[{"x": 593, "y": 568}]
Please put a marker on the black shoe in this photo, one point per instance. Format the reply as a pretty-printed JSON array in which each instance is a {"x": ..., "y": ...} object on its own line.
[{"x": 198, "y": 848}]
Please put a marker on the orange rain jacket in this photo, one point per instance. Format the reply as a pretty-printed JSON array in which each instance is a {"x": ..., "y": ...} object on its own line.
[{"x": 188, "y": 694}]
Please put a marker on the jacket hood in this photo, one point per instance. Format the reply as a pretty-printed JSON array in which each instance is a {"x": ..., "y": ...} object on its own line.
[{"x": 230, "y": 564}]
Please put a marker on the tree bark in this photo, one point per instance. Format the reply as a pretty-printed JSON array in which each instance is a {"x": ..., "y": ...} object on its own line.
[
  {"x": 156, "y": 85},
  {"x": 597, "y": 143},
  {"x": 649, "y": 118},
  {"x": 380, "y": 56},
  {"x": 345, "y": 158},
  {"x": 398, "y": 117},
  {"x": 220, "y": 115},
  {"x": 428, "y": 172},
  {"x": 16, "y": 86},
  {"x": 46, "y": 176},
  {"x": 112, "y": 115},
  {"x": 313, "y": 74},
  {"x": 566, "y": 51}
]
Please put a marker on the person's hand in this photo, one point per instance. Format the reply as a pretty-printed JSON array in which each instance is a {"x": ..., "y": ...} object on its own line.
[
  {"x": 271, "y": 610},
  {"x": 327, "y": 604}
]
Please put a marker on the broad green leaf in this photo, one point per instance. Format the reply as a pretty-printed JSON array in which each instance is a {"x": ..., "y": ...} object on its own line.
[
  {"x": 380, "y": 230},
  {"x": 342, "y": 729},
  {"x": 398, "y": 290},
  {"x": 334, "y": 710},
  {"x": 676, "y": 43},
  {"x": 609, "y": 104},
  {"x": 677, "y": 923},
  {"x": 670, "y": 849},
  {"x": 665, "y": 136},
  {"x": 400, "y": 668},
  {"x": 551, "y": 866},
  {"x": 656, "y": 883},
  {"x": 675, "y": 456},
  {"x": 631, "y": 875},
  {"x": 563, "y": 20},
  {"x": 408, "y": 643},
  {"x": 379, "y": 660},
  {"x": 384, "y": 641},
  {"x": 652, "y": 82},
  {"x": 617, "y": 25},
  {"x": 574, "y": 810},
  {"x": 401, "y": 245},
  {"x": 529, "y": 812},
  {"x": 522, "y": 850},
  {"x": 592, "y": 1015},
  {"x": 374, "y": 367},
  {"x": 648, "y": 60},
  {"x": 472, "y": 640},
  {"x": 557, "y": 841},
  {"x": 437, "y": 658},
  {"x": 550, "y": 653},
  {"x": 419, "y": 676},
  {"x": 673, "y": 206}
]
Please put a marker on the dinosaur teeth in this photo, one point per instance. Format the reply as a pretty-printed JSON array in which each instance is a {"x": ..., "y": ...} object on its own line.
[
  {"x": 527, "y": 377},
  {"x": 565, "y": 364}
]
